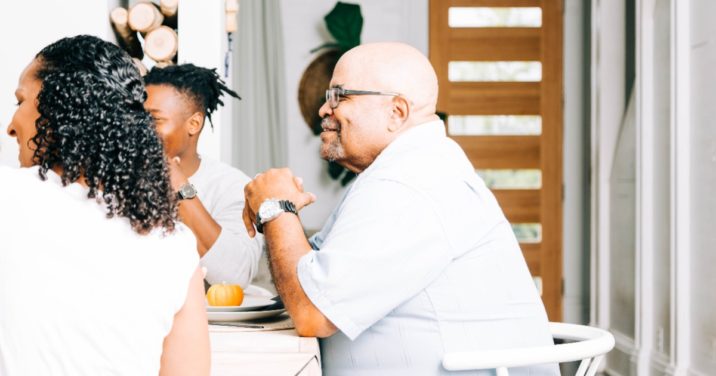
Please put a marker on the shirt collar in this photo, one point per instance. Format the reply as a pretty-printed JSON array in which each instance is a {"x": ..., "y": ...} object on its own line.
[{"x": 414, "y": 137}]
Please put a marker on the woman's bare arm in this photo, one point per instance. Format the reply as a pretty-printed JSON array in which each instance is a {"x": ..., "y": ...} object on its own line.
[{"x": 186, "y": 347}]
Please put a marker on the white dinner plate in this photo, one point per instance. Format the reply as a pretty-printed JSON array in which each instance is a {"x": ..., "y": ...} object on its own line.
[
  {"x": 250, "y": 303},
  {"x": 241, "y": 316}
]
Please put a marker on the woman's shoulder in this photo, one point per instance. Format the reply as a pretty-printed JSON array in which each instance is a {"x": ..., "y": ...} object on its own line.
[
  {"x": 172, "y": 259},
  {"x": 19, "y": 181},
  {"x": 179, "y": 244},
  {"x": 180, "y": 238},
  {"x": 17, "y": 173}
]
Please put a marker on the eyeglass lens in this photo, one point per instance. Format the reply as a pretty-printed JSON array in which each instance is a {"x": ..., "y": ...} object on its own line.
[{"x": 332, "y": 95}]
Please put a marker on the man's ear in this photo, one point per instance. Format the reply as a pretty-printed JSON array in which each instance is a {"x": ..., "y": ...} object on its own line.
[
  {"x": 194, "y": 123},
  {"x": 400, "y": 113}
]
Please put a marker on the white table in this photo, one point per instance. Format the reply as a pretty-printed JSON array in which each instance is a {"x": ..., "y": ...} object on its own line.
[{"x": 241, "y": 351}]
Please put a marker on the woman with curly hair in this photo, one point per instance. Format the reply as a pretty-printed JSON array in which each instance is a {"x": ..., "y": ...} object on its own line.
[{"x": 95, "y": 276}]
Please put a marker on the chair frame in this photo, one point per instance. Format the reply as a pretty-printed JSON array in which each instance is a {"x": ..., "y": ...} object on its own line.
[{"x": 590, "y": 346}]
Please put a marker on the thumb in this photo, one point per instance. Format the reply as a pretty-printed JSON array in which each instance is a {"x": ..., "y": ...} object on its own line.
[{"x": 305, "y": 199}]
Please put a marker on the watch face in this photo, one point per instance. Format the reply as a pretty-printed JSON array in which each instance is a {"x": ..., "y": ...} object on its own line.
[
  {"x": 187, "y": 191},
  {"x": 269, "y": 210}
]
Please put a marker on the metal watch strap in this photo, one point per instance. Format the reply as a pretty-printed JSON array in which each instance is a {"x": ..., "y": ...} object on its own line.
[{"x": 286, "y": 206}]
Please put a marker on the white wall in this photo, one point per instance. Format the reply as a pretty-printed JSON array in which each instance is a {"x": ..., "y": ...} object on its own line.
[
  {"x": 607, "y": 111},
  {"x": 669, "y": 326},
  {"x": 304, "y": 28},
  {"x": 703, "y": 186},
  {"x": 203, "y": 41},
  {"x": 28, "y": 26},
  {"x": 661, "y": 338}
]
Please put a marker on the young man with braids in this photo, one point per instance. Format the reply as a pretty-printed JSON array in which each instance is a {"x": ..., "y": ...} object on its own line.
[{"x": 179, "y": 98}]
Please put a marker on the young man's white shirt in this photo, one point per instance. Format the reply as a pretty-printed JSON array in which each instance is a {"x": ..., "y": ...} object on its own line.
[{"x": 234, "y": 257}]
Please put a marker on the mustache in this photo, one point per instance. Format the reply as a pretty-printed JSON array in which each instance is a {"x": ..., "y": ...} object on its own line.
[{"x": 330, "y": 124}]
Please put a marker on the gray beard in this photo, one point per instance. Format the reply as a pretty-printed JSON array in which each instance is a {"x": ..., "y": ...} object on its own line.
[{"x": 335, "y": 150}]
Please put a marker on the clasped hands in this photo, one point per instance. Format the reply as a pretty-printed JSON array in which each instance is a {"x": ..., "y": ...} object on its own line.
[{"x": 279, "y": 183}]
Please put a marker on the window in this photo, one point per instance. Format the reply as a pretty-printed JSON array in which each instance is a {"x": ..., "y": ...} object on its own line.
[
  {"x": 487, "y": 71},
  {"x": 496, "y": 125},
  {"x": 495, "y": 17}
]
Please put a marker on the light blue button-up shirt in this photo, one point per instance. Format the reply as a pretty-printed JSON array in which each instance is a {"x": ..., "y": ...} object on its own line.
[{"x": 418, "y": 260}]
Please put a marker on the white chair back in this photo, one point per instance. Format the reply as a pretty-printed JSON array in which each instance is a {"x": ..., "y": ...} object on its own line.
[{"x": 590, "y": 345}]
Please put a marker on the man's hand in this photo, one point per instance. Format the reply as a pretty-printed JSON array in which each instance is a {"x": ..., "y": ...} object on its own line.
[
  {"x": 276, "y": 184},
  {"x": 286, "y": 243},
  {"x": 176, "y": 176},
  {"x": 192, "y": 212}
]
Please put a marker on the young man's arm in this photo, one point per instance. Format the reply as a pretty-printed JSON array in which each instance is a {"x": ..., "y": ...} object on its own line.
[{"x": 195, "y": 216}]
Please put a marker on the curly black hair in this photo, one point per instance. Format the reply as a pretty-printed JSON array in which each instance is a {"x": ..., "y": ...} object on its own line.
[
  {"x": 202, "y": 86},
  {"x": 93, "y": 125}
]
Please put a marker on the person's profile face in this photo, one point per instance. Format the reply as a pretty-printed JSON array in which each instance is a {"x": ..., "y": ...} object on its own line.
[
  {"x": 331, "y": 142},
  {"x": 22, "y": 126},
  {"x": 170, "y": 113},
  {"x": 351, "y": 133}
]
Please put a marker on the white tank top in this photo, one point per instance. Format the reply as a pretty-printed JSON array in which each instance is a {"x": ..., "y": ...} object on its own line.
[{"x": 81, "y": 294}]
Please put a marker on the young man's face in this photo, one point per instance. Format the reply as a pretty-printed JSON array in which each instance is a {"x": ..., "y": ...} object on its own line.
[{"x": 171, "y": 113}]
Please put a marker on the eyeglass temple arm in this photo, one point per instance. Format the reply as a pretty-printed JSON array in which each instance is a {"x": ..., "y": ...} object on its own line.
[{"x": 368, "y": 92}]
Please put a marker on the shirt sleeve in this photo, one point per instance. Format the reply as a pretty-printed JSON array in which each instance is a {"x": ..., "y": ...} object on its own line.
[
  {"x": 234, "y": 256},
  {"x": 386, "y": 245}
]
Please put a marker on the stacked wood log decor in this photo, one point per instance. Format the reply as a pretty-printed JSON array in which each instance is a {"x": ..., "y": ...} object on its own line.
[
  {"x": 157, "y": 26},
  {"x": 232, "y": 10}
]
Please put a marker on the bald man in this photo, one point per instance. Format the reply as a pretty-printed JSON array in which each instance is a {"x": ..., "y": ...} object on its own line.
[{"x": 417, "y": 259}]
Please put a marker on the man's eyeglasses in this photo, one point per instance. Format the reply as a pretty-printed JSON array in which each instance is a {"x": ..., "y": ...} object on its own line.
[{"x": 334, "y": 94}]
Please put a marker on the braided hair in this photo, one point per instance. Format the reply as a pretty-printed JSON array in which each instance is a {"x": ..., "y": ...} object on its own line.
[
  {"x": 202, "y": 86},
  {"x": 93, "y": 125}
]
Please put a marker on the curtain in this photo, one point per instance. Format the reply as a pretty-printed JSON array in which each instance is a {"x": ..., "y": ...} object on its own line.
[{"x": 259, "y": 136}]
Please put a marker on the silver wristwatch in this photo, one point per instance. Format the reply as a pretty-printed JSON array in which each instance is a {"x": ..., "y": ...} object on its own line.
[
  {"x": 270, "y": 210},
  {"x": 186, "y": 192}
]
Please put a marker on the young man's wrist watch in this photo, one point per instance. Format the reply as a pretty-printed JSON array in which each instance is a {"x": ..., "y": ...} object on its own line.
[
  {"x": 187, "y": 191},
  {"x": 270, "y": 209}
]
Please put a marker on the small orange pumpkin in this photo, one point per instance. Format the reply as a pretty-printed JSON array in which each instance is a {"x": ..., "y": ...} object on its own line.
[{"x": 225, "y": 295}]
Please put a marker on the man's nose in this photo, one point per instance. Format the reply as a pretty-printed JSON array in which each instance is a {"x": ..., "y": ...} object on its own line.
[{"x": 325, "y": 110}]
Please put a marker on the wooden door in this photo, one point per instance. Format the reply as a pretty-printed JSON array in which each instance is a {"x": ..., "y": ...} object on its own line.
[{"x": 499, "y": 66}]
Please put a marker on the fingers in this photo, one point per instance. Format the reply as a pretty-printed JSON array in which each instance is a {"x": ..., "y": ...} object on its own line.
[
  {"x": 248, "y": 215},
  {"x": 304, "y": 199},
  {"x": 176, "y": 177},
  {"x": 249, "y": 222},
  {"x": 277, "y": 184},
  {"x": 299, "y": 183},
  {"x": 174, "y": 163}
]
